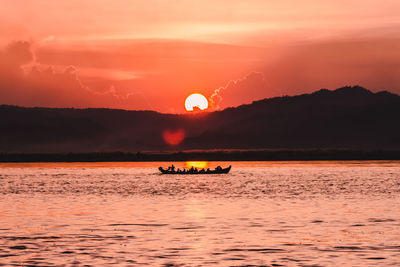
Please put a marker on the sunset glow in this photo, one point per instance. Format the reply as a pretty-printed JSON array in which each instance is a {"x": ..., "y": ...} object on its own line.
[{"x": 147, "y": 55}]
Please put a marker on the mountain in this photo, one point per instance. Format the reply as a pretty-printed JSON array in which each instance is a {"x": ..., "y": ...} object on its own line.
[{"x": 349, "y": 117}]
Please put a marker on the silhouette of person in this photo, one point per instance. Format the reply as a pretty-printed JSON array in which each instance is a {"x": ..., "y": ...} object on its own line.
[{"x": 172, "y": 167}]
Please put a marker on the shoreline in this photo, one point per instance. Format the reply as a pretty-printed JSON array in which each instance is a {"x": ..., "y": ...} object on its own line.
[{"x": 205, "y": 155}]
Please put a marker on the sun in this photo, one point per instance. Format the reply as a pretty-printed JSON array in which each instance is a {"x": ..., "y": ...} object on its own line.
[{"x": 196, "y": 100}]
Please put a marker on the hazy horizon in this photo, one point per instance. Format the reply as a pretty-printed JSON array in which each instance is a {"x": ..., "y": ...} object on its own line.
[{"x": 195, "y": 113}]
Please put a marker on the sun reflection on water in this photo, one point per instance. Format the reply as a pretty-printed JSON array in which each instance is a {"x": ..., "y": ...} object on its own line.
[{"x": 196, "y": 164}]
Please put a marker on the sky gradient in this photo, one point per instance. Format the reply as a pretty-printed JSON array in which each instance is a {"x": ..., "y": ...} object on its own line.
[{"x": 153, "y": 54}]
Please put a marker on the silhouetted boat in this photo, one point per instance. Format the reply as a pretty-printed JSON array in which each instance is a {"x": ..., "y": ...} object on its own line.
[{"x": 194, "y": 171}]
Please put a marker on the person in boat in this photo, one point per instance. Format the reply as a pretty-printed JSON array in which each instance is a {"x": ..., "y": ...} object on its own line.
[
  {"x": 172, "y": 167},
  {"x": 218, "y": 168}
]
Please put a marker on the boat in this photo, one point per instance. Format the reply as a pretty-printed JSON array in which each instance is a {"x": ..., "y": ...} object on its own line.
[{"x": 195, "y": 171}]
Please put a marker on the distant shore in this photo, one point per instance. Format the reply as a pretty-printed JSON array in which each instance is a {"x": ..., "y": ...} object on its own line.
[{"x": 205, "y": 155}]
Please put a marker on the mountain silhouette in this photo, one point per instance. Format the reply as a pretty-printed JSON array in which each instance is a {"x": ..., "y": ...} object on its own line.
[{"x": 349, "y": 117}]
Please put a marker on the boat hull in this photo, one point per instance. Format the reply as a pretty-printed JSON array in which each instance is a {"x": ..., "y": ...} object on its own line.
[{"x": 221, "y": 171}]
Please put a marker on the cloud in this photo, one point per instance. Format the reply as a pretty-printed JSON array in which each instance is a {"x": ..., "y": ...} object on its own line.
[
  {"x": 160, "y": 74},
  {"x": 26, "y": 82},
  {"x": 372, "y": 62},
  {"x": 13, "y": 57},
  {"x": 23, "y": 81},
  {"x": 242, "y": 91}
]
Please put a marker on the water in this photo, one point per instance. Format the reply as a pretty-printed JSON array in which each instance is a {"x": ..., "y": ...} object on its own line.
[{"x": 261, "y": 214}]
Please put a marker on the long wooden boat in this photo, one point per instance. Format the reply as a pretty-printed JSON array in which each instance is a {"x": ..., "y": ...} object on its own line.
[{"x": 191, "y": 171}]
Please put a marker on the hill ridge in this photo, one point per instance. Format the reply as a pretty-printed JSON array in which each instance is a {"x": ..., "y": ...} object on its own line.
[{"x": 348, "y": 117}]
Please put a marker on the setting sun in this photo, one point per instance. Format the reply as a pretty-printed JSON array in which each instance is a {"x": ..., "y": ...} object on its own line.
[{"x": 196, "y": 101}]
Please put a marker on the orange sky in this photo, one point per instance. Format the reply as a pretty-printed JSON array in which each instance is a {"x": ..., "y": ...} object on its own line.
[{"x": 152, "y": 54}]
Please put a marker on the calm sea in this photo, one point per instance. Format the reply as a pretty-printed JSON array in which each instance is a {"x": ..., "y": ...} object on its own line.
[{"x": 261, "y": 214}]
